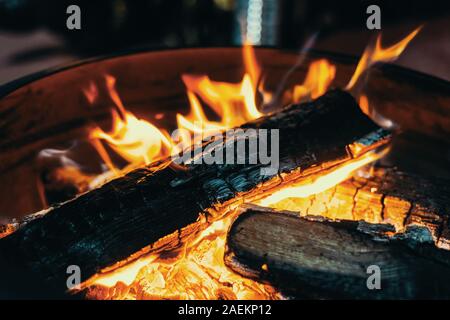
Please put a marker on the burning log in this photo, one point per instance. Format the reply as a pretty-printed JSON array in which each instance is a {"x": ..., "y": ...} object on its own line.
[
  {"x": 314, "y": 257},
  {"x": 387, "y": 196},
  {"x": 153, "y": 207}
]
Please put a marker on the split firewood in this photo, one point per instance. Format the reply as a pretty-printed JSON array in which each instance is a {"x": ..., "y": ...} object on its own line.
[
  {"x": 313, "y": 257},
  {"x": 388, "y": 196},
  {"x": 154, "y": 207}
]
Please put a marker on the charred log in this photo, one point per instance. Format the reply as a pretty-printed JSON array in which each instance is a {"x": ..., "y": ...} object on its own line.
[
  {"x": 314, "y": 257},
  {"x": 388, "y": 196},
  {"x": 108, "y": 224}
]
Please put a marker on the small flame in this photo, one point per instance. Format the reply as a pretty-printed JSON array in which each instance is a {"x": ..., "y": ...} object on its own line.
[
  {"x": 374, "y": 115},
  {"x": 373, "y": 55},
  {"x": 320, "y": 75},
  {"x": 251, "y": 65},
  {"x": 364, "y": 104},
  {"x": 136, "y": 140}
]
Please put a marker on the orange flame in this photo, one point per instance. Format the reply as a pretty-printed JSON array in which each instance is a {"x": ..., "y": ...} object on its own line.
[
  {"x": 251, "y": 66},
  {"x": 364, "y": 104},
  {"x": 233, "y": 103},
  {"x": 197, "y": 270},
  {"x": 372, "y": 55},
  {"x": 136, "y": 140},
  {"x": 140, "y": 142},
  {"x": 320, "y": 75}
]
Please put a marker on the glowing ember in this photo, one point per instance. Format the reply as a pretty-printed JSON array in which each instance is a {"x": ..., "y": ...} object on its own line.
[
  {"x": 322, "y": 183},
  {"x": 196, "y": 272},
  {"x": 6, "y": 229}
]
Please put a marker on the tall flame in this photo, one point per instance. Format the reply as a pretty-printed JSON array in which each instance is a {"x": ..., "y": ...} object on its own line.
[
  {"x": 373, "y": 55},
  {"x": 140, "y": 142},
  {"x": 233, "y": 103}
]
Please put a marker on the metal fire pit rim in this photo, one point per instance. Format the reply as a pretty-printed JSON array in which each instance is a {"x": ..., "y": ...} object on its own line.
[{"x": 16, "y": 84}]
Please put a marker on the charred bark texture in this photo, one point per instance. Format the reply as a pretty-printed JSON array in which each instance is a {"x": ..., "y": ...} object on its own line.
[
  {"x": 314, "y": 257},
  {"x": 106, "y": 225}
]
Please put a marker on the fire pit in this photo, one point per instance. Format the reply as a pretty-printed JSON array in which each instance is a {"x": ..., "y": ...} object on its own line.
[{"x": 142, "y": 227}]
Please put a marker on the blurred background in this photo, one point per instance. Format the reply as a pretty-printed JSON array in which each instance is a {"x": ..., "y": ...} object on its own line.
[{"x": 34, "y": 36}]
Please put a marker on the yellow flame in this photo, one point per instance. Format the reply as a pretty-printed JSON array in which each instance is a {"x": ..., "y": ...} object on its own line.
[
  {"x": 134, "y": 139},
  {"x": 319, "y": 77},
  {"x": 321, "y": 183},
  {"x": 379, "y": 54},
  {"x": 233, "y": 103},
  {"x": 251, "y": 65}
]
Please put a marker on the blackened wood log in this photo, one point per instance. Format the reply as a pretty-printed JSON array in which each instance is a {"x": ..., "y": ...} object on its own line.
[
  {"x": 386, "y": 196},
  {"x": 314, "y": 257},
  {"x": 107, "y": 225}
]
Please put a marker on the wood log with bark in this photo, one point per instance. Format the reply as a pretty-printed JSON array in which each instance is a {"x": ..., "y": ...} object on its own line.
[
  {"x": 313, "y": 257},
  {"x": 132, "y": 214}
]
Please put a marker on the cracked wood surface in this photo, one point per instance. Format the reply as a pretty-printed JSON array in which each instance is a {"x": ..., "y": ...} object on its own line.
[
  {"x": 108, "y": 224},
  {"x": 388, "y": 196},
  {"x": 313, "y": 257}
]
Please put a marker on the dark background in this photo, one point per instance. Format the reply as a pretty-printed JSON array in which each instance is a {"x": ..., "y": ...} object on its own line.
[{"x": 33, "y": 33}]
